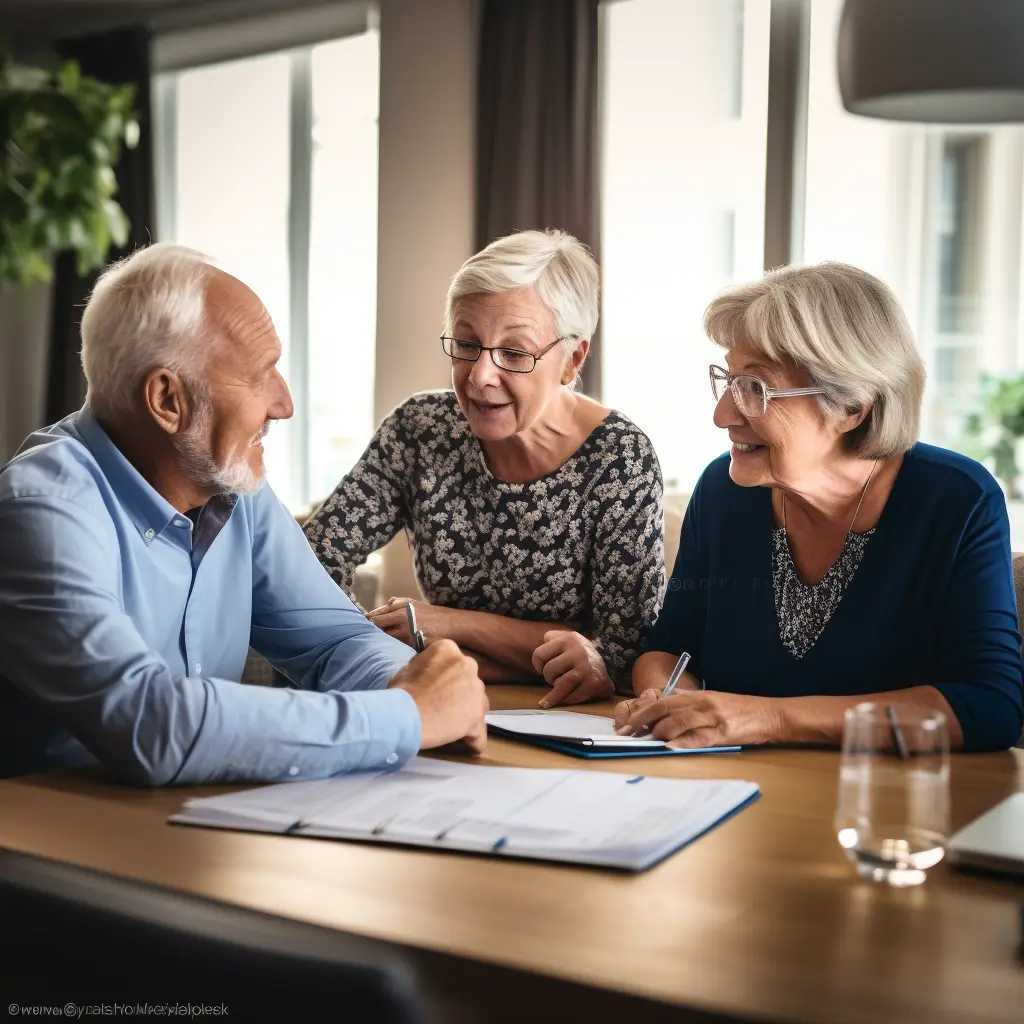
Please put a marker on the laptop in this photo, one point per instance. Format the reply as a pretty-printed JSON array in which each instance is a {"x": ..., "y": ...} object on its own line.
[{"x": 993, "y": 842}]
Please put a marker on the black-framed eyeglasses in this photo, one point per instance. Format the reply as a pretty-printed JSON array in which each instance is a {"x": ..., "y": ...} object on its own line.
[
  {"x": 750, "y": 393},
  {"x": 515, "y": 360}
]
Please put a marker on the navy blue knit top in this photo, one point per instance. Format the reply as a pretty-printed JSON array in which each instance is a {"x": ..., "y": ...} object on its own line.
[{"x": 932, "y": 602}]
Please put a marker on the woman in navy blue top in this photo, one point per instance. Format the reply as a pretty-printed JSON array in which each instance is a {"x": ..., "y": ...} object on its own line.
[{"x": 829, "y": 558}]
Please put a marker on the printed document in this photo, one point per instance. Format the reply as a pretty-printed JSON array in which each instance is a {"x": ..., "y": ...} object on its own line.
[{"x": 584, "y": 817}]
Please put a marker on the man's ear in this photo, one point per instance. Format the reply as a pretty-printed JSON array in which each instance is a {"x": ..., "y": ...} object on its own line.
[
  {"x": 167, "y": 401},
  {"x": 576, "y": 361}
]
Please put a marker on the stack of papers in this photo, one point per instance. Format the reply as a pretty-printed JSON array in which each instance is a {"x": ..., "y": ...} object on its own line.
[
  {"x": 581, "y": 735},
  {"x": 596, "y": 818}
]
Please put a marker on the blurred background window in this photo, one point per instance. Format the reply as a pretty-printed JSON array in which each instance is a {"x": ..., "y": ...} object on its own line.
[
  {"x": 269, "y": 164},
  {"x": 685, "y": 119}
]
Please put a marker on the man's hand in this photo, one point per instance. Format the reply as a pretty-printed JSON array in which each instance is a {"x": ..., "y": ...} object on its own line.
[
  {"x": 701, "y": 718},
  {"x": 449, "y": 695},
  {"x": 572, "y": 667},
  {"x": 433, "y": 621}
]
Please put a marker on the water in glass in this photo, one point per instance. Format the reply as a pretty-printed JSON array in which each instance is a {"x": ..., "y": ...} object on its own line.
[{"x": 892, "y": 814}]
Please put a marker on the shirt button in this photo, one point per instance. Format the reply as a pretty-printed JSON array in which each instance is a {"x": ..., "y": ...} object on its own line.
[
  {"x": 199, "y": 668},
  {"x": 294, "y": 770},
  {"x": 180, "y": 522},
  {"x": 150, "y": 534},
  {"x": 392, "y": 758}
]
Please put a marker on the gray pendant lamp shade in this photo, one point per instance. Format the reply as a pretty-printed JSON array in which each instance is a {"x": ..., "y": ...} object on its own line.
[{"x": 946, "y": 61}]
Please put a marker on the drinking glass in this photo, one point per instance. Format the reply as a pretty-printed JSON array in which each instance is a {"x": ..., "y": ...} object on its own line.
[{"x": 892, "y": 813}]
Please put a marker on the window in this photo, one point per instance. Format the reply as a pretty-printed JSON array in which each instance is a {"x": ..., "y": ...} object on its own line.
[
  {"x": 685, "y": 120},
  {"x": 936, "y": 212},
  {"x": 957, "y": 229},
  {"x": 269, "y": 164},
  {"x": 343, "y": 258}
]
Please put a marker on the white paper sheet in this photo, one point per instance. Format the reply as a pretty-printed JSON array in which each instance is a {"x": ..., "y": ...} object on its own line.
[{"x": 571, "y": 726}]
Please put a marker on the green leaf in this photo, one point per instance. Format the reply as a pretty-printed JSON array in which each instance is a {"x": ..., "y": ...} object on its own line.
[
  {"x": 118, "y": 224},
  {"x": 106, "y": 180},
  {"x": 70, "y": 77}
]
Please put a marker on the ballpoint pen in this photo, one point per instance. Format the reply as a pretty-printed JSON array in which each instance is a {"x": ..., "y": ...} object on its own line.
[
  {"x": 673, "y": 679},
  {"x": 897, "y": 733},
  {"x": 416, "y": 634},
  {"x": 677, "y": 672}
]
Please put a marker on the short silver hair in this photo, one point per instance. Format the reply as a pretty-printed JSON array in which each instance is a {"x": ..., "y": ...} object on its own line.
[
  {"x": 146, "y": 311},
  {"x": 847, "y": 331},
  {"x": 561, "y": 266}
]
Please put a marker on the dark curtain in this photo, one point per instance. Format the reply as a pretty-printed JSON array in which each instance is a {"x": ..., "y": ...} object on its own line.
[
  {"x": 119, "y": 56},
  {"x": 537, "y": 125}
]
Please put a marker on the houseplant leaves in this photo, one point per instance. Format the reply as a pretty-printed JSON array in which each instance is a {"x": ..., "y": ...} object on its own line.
[{"x": 62, "y": 134}]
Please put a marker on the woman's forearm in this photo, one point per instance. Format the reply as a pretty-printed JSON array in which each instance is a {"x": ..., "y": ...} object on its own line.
[
  {"x": 819, "y": 720},
  {"x": 504, "y": 641},
  {"x": 651, "y": 672},
  {"x": 491, "y": 671}
]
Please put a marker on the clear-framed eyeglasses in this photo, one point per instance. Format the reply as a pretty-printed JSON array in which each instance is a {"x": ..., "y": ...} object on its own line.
[
  {"x": 750, "y": 393},
  {"x": 515, "y": 360}
]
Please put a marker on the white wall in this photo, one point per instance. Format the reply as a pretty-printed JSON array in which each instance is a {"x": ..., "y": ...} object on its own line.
[
  {"x": 425, "y": 227},
  {"x": 24, "y": 345}
]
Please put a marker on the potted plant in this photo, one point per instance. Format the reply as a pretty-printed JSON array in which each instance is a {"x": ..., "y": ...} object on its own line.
[
  {"x": 994, "y": 429},
  {"x": 61, "y": 134}
]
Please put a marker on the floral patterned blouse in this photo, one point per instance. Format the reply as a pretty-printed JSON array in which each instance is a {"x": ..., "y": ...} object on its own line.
[{"x": 583, "y": 544}]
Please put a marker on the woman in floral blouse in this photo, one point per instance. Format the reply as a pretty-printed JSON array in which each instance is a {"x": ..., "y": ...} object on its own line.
[{"x": 534, "y": 513}]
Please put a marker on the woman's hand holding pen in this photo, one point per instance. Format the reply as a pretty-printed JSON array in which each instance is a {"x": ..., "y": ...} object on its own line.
[
  {"x": 701, "y": 718},
  {"x": 433, "y": 620}
]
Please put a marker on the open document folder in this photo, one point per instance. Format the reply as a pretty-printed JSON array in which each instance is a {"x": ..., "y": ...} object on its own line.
[
  {"x": 598, "y": 818},
  {"x": 581, "y": 735}
]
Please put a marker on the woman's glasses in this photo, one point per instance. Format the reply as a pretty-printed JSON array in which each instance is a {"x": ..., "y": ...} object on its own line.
[
  {"x": 512, "y": 359},
  {"x": 750, "y": 393}
]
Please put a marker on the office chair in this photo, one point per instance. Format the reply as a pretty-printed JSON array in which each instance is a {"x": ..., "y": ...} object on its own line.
[{"x": 72, "y": 935}]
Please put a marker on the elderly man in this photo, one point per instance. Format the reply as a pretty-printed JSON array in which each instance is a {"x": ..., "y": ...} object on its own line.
[{"x": 140, "y": 557}]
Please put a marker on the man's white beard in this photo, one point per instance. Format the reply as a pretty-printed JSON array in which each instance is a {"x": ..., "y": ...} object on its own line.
[{"x": 198, "y": 464}]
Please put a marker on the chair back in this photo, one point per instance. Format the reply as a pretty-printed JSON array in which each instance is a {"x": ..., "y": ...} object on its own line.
[{"x": 75, "y": 934}]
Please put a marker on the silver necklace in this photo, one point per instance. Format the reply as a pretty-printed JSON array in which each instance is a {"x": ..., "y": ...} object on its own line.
[
  {"x": 856, "y": 511},
  {"x": 803, "y": 610}
]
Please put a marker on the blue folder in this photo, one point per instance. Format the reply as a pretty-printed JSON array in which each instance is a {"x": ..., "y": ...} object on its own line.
[{"x": 579, "y": 750}]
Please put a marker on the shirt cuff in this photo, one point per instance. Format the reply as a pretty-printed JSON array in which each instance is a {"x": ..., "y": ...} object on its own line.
[{"x": 390, "y": 722}]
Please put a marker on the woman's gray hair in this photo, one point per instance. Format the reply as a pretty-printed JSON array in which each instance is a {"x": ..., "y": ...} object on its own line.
[
  {"x": 146, "y": 311},
  {"x": 846, "y": 330},
  {"x": 562, "y": 267}
]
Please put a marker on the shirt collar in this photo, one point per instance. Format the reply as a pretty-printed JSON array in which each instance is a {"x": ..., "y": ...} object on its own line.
[{"x": 149, "y": 511}]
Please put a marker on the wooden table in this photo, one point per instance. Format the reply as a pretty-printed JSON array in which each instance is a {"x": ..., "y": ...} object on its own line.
[{"x": 761, "y": 919}]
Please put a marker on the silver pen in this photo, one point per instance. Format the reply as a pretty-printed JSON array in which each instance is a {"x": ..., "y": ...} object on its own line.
[
  {"x": 677, "y": 672},
  {"x": 416, "y": 634},
  {"x": 673, "y": 679}
]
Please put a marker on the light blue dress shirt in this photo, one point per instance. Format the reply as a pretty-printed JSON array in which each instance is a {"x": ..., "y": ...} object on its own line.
[{"x": 124, "y": 629}]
